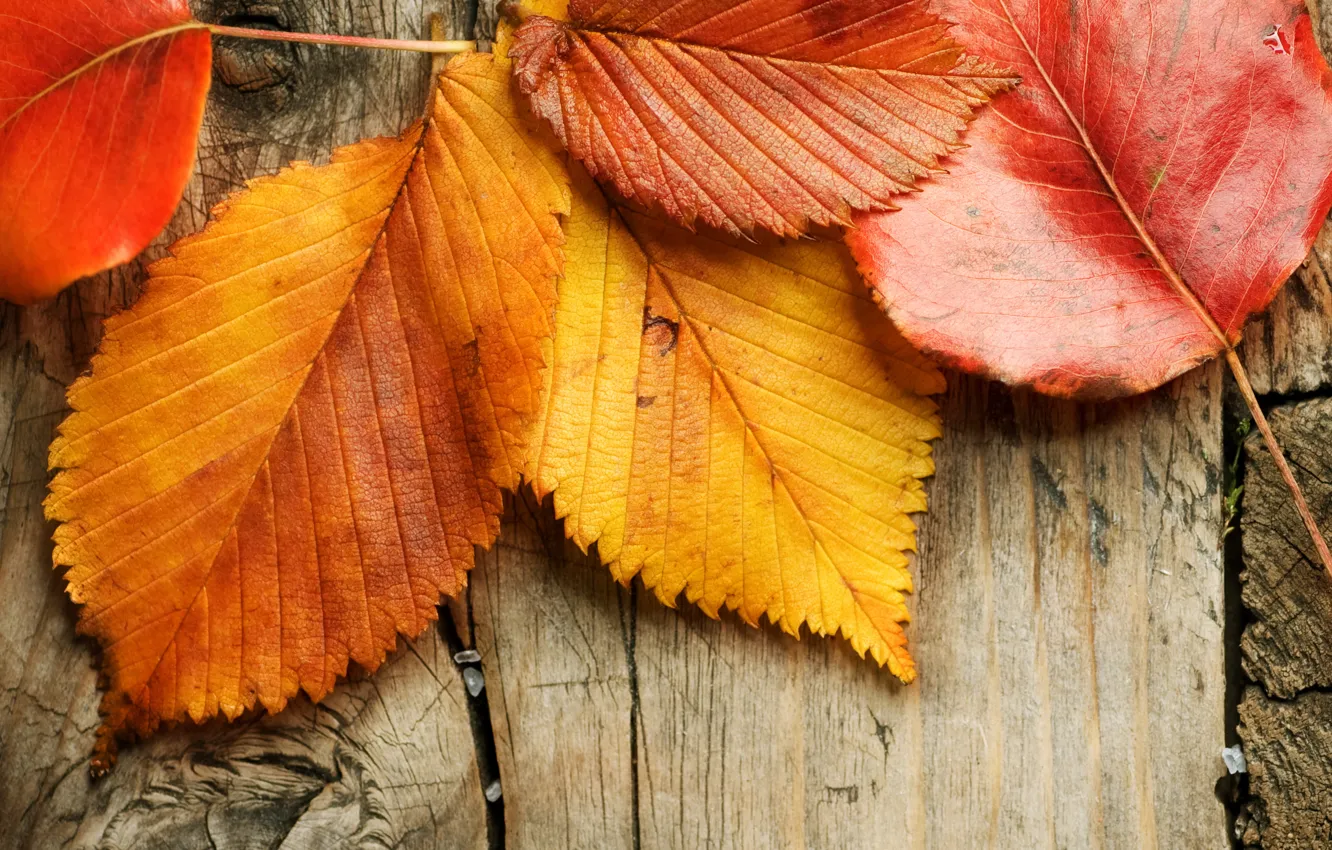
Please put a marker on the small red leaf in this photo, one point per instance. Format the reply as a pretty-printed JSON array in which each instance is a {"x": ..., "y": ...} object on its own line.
[
  {"x": 754, "y": 113},
  {"x": 1162, "y": 170},
  {"x": 100, "y": 107}
]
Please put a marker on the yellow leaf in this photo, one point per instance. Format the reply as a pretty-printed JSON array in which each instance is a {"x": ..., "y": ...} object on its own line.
[
  {"x": 288, "y": 447},
  {"x": 736, "y": 421}
]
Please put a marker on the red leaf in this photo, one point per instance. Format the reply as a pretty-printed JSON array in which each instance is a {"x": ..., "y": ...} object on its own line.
[
  {"x": 100, "y": 106},
  {"x": 1161, "y": 171},
  {"x": 753, "y": 113}
]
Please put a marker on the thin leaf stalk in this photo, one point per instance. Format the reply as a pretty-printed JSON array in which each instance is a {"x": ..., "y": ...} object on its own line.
[
  {"x": 343, "y": 40},
  {"x": 1274, "y": 448}
]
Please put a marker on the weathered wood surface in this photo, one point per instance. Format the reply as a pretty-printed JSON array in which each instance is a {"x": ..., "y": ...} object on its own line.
[
  {"x": 1289, "y": 747},
  {"x": 1069, "y": 620},
  {"x": 1289, "y": 350},
  {"x": 1068, "y": 628},
  {"x": 1286, "y": 718}
]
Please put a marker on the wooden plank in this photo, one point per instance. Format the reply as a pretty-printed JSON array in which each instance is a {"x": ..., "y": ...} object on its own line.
[
  {"x": 553, "y": 630},
  {"x": 1287, "y": 645},
  {"x": 1068, "y": 628},
  {"x": 388, "y": 759},
  {"x": 1284, "y": 718}
]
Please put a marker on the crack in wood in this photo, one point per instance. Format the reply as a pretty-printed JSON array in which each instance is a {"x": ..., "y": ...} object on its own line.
[
  {"x": 1232, "y": 789},
  {"x": 629, "y": 632},
  {"x": 483, "y": 731}
]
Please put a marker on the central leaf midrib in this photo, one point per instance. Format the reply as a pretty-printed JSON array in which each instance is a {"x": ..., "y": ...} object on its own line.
[
  {"x": 99, "y": 59},
  {"x": 268, "y": 450},
  {"x": 609, "y": 33},
  {"x": 778, "y": 471},
  {"x": 1176, "y": 281}
]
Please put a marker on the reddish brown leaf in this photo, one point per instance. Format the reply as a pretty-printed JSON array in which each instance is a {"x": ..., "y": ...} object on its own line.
[
  {"x": 753, "y": 113},
  {"x": 100, "y": 106},
  {"x": 1162, "y": 170}
]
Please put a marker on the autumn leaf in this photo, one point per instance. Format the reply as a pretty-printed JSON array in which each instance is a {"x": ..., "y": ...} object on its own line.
[
  {"x": 288, "y": 447},
  {"x": 100, "y": 107},
  {"x": 753, "y": 113},
  {"x": 1163, "y": 169},
  {"x": 736, "y": 421}
]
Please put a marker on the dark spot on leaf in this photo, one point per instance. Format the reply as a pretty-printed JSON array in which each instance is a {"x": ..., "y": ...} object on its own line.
[
  {"x": 665, "y": 333},
  {"x": 645, "y": 401},
  {"x": 472, "y": 353}
]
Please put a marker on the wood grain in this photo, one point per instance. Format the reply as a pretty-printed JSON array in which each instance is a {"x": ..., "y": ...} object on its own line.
[{"x": 1289, "y": 747}]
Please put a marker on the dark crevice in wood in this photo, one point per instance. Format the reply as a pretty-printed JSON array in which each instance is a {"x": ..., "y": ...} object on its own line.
[
  {"x": 1295, "y": 697},
  {"x": 466, "y": 20},
  {"x": 1275, "y": 399},
  {"x": 1233, "y": 789},
  {"x": 483, "y": 732},
  {"x": 256, "y": 22},
  {"x": 485, "y": 21},
  {"x": 629, "y": 631}
]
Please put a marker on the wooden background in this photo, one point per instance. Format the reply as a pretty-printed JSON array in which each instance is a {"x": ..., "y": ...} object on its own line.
[{"x": 1070, "y": 624}]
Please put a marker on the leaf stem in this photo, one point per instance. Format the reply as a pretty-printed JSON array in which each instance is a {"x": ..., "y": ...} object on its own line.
[
  {"x": 1274, "y": 448},
  {"x": 343, "y": 40}
]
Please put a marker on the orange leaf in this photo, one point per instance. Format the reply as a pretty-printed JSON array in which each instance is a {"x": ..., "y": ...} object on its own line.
[
  {"x": 100, "y": 106},
  {"x": 288, "y": 447},
  {"x": 753, "y": 113}
]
